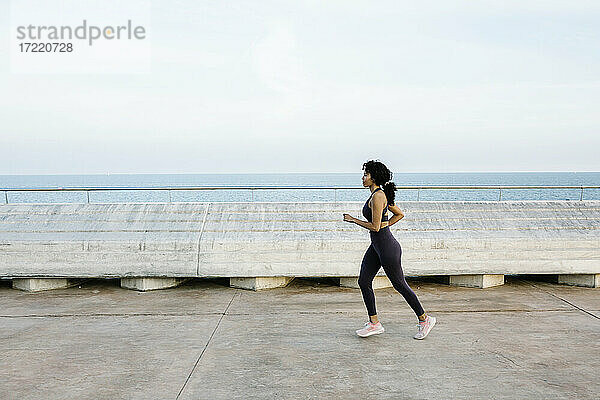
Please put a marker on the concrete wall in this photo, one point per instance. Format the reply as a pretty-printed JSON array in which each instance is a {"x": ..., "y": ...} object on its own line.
[{"x": 294, "y": 239}]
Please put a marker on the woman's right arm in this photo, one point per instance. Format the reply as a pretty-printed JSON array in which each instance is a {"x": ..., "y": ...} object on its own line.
[{"x": 398, "y": 215}]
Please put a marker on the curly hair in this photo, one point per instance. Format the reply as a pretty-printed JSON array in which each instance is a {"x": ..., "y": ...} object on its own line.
[{"x": 382, "y": 176}]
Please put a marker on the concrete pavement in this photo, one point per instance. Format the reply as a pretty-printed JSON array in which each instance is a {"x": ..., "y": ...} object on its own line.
[{"x": 205, "y": 340}]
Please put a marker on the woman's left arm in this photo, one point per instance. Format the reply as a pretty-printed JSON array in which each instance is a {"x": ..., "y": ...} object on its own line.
[
  {"x": 377, "y": 209},
  {"x": 398, "y": 214}
]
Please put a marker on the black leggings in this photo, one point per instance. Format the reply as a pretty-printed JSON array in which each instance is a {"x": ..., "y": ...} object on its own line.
[{"x": 385, "y": 251}]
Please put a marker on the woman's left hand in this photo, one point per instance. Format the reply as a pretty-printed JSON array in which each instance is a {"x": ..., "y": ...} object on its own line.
[{"x": 348, "y": 218}]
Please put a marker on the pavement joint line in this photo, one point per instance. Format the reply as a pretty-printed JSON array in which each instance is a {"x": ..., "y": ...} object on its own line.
[
  {"x": 498, "y": 353},
  {"x": 270, "y": 313},
  {"x": 207, "y": 343},
  {"x": 560, "y": 298}
]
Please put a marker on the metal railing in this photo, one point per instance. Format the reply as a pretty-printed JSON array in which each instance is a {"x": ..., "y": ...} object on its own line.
[{"x": 252, "y": 189}]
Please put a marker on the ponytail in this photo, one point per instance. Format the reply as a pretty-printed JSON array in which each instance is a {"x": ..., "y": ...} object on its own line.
[{"x": 389, "y": 188}]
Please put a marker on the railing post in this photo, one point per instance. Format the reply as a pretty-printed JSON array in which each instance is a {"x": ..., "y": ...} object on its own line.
[
  {"x": 6, "y": 196},
  {"x": 252, "y": 192},
  {"x": 168, "y": 191},
  {"x": 500, "y": 195},
  {"x": 88, "y": 196},
  {"x": 581, "y": 195},
  {"x": 418, "y": 193}
]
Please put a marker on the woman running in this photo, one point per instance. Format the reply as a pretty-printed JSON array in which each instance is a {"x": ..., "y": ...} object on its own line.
[{"x": 384, "y": 249}]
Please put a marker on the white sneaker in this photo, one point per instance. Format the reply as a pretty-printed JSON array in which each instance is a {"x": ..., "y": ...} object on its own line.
[
  {"x": 370, "y": 329},
  {"x": 424, "y": 327}
]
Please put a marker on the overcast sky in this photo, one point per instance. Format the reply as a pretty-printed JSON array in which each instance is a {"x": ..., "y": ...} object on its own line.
[{"x": 311, "y": 86}]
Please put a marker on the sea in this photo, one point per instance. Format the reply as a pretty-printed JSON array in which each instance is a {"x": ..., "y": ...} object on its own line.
[{"x": 314, "y": 187}]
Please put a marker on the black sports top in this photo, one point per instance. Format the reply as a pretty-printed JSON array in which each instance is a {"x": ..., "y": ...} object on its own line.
[{"x": 367, "y": 213}]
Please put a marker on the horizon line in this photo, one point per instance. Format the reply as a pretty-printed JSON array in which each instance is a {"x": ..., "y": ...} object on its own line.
[{"x": 286, "y": 173}]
